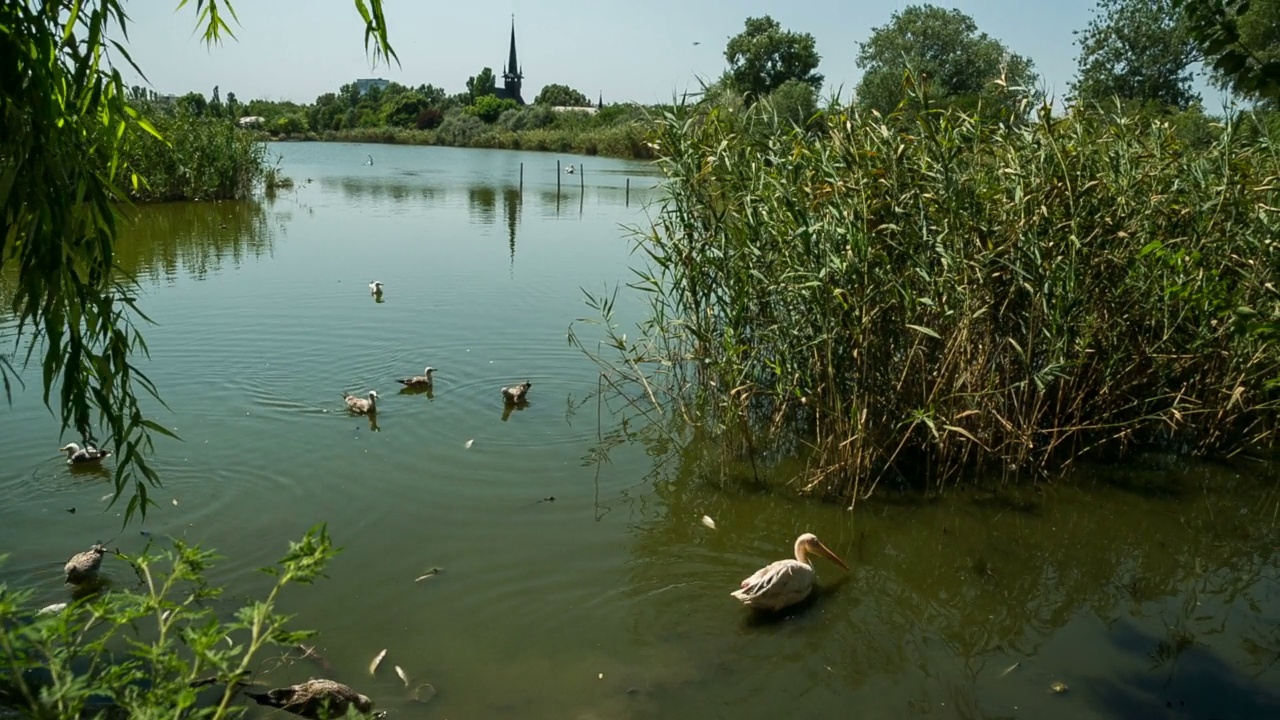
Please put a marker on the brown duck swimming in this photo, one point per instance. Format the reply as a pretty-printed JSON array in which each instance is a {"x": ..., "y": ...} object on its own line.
[
  {"x": 77, "y": 455},
  {"x": 83, "y": 567},
  {"x": 419, "y": 381},
  {"x": 515, "y": 395},
  {"x": 362, "y": 406},
  {"x": 313, "y": 697}
]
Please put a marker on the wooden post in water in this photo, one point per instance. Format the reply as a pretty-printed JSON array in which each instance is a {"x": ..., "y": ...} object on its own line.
[
  {"x": 628, "y": 192},
  {"x": 557, "y": 181},
  {"x": 521, "y": 179},
  {"x": 582, "y": 180}
]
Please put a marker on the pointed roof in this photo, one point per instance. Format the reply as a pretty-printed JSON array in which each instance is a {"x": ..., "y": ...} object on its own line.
[{"x": 512, "y": 64}]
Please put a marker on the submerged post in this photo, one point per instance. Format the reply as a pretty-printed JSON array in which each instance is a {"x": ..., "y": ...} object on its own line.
[
  {"x": 582, "y": 180},
  {"x": 521, "y": 179},
  {"x": 557, "y": 180},
  {"x": 628, "y": 192}
]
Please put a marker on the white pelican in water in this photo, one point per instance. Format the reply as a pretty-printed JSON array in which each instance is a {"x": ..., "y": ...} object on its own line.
[
  {"x": 785, "y": 582},
  {"x": 361, "y": 406},
  {"x": 419, "y": 381},
  {"x": 514, "y": 395},
  {"x": 375, "y": 287},
  {"x": 78, "y": 456}
]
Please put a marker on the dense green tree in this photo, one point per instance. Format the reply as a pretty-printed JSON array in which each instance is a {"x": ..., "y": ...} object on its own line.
[
  {"x": 67, "y": 119},
  {"x": 193, "y": 103},
  {"x": 561, "y": 96},
  {"x": 764, "y": 56},
  {"x": 403, "y": 109},
  {"x": 794, "y": 102},
  {"x": 945, "y": 53},
  {"x": 481, "y": 85},
  {"x": 489, "y": 108},
  {"x": 1240, "y": 41},
  {"x": 1136, "y": 50}
]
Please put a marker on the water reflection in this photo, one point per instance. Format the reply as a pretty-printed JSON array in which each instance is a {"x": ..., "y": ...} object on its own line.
[
  {"x": 195, "y": 239},
  {"x": 428, "y": 391},
  {"x": 508, "y": 408}
]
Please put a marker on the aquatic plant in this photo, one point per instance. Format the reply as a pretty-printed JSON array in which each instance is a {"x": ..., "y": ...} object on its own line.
[
  {"x": 154, "y": 648},
  {"x": 917, "y": 296},
  {"x": 195, "y": 158}
]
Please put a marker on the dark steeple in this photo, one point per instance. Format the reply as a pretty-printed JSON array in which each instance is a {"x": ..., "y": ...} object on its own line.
[{"x": 512, "y": 73}]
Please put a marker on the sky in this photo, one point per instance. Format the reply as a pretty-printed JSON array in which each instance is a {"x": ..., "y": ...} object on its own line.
[{"x": 627, "y": 51}]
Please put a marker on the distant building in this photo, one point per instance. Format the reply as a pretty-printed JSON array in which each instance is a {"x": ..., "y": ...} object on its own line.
[
  {"x": 512, "y": 73},
  {"x": 588, "y": 110},
  {"x": 364, "y": 84}
]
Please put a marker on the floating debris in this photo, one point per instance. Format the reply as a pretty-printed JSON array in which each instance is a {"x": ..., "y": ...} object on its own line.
[
  {"x": 424, "y": 693},
  {"x": 706, "y": 520},
  {"x": 467, "y": 444},
  {"x": 599, "y": 676},
  {"x": 52, "y": 609},
  {"x": 175, "y": 502},
  {"x": 377, "y": 660},
  {"x": 403, "y": 676},
  {"x": 1008, "y": 670},
  {"x": 429, "y": 574},
  {"x": 71, "y": 510},
  {"x": 311, "y": 698},
  {"x": 309, "y": 653},
  {"x": 1058, "y": 686}
]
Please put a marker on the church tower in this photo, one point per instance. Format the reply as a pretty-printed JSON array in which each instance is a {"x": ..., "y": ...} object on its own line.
[{"x": 512, "y": 73}]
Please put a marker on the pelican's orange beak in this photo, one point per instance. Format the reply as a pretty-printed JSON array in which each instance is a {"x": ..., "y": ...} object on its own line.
[{"x": 830, "y": 555}]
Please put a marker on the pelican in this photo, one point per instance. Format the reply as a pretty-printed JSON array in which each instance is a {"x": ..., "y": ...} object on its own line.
[
  {"x": 83, "y": 567},
  {"x": 419, "y": 381},
  {"x": 785, "y": 582},
  {"x": 88, "y": 454},
  {"x": 361, "y": 406},
  {"x": 375, "y": 287},
  {"x": 514, "y": 395},
  {"x": 315, "y": 698}
]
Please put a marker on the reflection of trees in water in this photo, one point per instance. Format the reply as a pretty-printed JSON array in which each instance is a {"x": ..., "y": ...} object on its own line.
[
  {"x": 163, "y": 240},
  {"x": 511, "y": 204},
  {"x": 356, "y": 188},
  {"x": 964, "y": 585},
  {"x": 482, "y": 200}
]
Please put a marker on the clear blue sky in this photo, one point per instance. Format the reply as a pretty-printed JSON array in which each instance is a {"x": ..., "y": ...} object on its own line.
[{"x": 630, "y": 51}]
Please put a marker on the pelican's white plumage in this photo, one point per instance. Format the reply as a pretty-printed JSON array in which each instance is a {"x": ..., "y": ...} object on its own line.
[
  {"x": 362, "y": 406},
  {"x": 419, "y": 381},
  {"x": 785, "y": 582},
  {"x": 77, "y": 455}
]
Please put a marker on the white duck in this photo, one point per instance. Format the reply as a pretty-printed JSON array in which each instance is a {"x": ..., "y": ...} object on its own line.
[{"x": 785, "y": 582}]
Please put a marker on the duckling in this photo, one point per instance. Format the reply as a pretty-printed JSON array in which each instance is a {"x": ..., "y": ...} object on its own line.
[
  {"x": 77, "y": 455},
  {"x": 419, "y": 381},
  {"x": 83, "y": 567},
  {"x": 514, "y": 395},
  {"x": 316, "y": 696},
  {"x": 361, "y": 406}
]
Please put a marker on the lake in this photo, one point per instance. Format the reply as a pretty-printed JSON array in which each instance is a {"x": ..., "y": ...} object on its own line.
[{"x": 575, "y": 584}]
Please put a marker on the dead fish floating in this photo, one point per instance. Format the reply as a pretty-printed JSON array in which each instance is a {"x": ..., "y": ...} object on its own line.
[
  {"x": 315, "y": 698},
  {"x": 515, "y": 394},
  {"x": 83, "y": 567},
  {"x": 377, "y": 660},
  {"x": 77, "y": 455},
  {"x": 419, "y": 381},
  {"x": 362, "y": 406}
]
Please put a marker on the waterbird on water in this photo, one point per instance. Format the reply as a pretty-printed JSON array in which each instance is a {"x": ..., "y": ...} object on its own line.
[
  {"x": 785, "y": 582},
  {"x": 418, "y": 381},
  {"x": 375, "y": 287},
  {"x": 370, "y": 160},
  {"x": 514, "y": 395},
  {"x": 83, "y": 567},
  {"x": 77, "y": 455},
  {"x": 362, "y": 406},
  {"x": 316, "y": 696}
]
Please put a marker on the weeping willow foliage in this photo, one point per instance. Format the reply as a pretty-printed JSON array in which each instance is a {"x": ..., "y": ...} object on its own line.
[
  {"x": 919, "y": 296},
  {"x": 65, "y": 122}
]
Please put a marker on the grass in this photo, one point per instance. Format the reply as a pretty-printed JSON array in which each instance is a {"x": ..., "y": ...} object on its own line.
[{"x": 921, "y": 297}]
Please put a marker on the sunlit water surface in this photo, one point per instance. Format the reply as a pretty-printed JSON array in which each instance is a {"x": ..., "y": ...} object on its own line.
[{"x": 1150, "y": 591}]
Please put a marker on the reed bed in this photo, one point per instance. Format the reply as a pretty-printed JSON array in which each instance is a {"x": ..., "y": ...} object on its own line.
[
  {"x": 923, "y": 297},
  {"x": 194, "y": 159}
]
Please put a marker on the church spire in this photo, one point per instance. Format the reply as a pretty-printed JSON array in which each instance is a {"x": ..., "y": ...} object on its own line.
[{"x": 513, "y": 66}]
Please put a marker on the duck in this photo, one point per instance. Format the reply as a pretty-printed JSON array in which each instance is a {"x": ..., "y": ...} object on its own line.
[
  {"x": 514, "y": 395},
  {"x": 77, "y": 455},
  {"x": 419, "y": 381},
  {"x": 83, "y": 567},
  {"x": 362, "y": 406},
  {"x": 315, "y": 698},
  {"x": 375, "y": 287}
]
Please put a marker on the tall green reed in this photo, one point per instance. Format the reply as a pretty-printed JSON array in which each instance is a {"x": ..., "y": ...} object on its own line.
[
  {"x": 195, "y": 158},
  {"x": 921, "y": 296}
]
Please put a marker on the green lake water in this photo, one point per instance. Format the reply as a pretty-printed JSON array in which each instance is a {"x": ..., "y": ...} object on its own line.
[{"x": 1152, "y": 591}]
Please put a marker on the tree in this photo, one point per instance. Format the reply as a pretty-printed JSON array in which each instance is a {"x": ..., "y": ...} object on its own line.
[
  {"x": 66, "y": 114},
  {"x": 794, "y": 102},
  {"x": 944, "y": 52},
  {"x": 479, "y": 86},
  {"x": 403, "y": 109},
  {"x": 193, "y": 103},
  {"x": 1240, "y": 41},
  {"x": 561, "y": 96},
  {"x": 764, "y": 56},
  {"x": 1137, "y": 50},
  {"x": 489, "y": 108}
]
